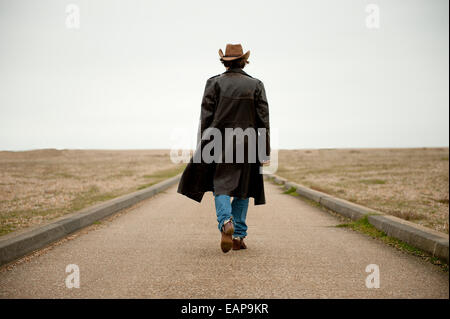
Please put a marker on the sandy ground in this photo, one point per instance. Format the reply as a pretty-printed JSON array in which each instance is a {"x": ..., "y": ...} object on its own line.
[
  {"x": 412, "y": 184},
  {"x": 37, "y": 186},
  {"x": 168, "y": 247}
]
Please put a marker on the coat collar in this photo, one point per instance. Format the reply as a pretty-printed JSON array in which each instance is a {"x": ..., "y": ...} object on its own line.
[{"x": 237, "y": 70}]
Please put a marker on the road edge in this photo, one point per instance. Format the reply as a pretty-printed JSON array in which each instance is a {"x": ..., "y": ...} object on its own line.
[
  {"x": 426, "y": 239},
  {"x": 15, "y": 247}
]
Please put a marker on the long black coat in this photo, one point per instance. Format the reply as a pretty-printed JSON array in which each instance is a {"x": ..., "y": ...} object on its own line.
[{"x": 232, "y": 99}]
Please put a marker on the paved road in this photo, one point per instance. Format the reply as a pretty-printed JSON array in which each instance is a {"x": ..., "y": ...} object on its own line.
[{"x": 168, "y": 247}]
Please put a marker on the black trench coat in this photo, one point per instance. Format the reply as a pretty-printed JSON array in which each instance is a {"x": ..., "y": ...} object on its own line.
[{"x": 232, "y": 99}]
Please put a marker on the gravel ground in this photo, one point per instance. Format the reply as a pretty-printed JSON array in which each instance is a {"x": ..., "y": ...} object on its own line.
[
  {"x": 410, "y": 183},
  {"x": 38, "y": 186}
]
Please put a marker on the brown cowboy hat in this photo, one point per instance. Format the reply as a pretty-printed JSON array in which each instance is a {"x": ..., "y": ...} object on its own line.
[{"x": 233, "y": 52}]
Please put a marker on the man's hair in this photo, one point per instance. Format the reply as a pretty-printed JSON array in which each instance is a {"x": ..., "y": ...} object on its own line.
[{"x": 239, "y": 63}]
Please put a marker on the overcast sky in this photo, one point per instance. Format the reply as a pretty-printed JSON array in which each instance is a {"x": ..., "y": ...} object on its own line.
[{"x": 132, "y": 75}]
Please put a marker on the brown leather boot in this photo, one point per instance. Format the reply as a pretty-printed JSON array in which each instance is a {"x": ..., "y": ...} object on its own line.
[
  {"x": 238, "y": 243},
  {"x": 226, "y": 241}
]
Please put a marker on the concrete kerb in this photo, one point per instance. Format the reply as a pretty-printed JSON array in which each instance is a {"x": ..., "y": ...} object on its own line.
[
  {"x": 16, "y": 246},
  {"x": 429, "y": 240}
]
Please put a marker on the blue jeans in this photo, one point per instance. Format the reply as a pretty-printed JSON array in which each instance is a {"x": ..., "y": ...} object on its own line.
[{"x": 236, "y": 211}]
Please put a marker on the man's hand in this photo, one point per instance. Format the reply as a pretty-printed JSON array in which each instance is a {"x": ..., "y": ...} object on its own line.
[{"x": 265, "y": 163}]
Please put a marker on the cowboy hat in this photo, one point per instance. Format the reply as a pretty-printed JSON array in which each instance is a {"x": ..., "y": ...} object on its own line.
[{"x": 233, "y": 52}]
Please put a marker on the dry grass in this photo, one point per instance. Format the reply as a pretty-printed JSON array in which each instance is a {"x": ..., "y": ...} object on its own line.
[
  {"x": 37, "y": 186},
  {"x": 412, "y": 184}
]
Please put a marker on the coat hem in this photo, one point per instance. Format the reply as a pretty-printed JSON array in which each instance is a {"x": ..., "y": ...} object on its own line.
[{"x": 199, "y": 196}]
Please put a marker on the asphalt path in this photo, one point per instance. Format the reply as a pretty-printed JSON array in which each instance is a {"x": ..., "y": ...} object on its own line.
[{"x": 168, "y": 247}]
